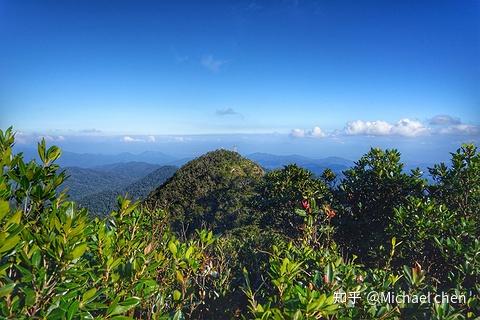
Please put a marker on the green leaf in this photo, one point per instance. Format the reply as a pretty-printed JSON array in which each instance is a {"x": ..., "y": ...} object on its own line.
[
  {"x": 189, "y": 252},
  {"x": 36, "y": 258},
  {"x": 10, "y": 243},
  {"x": 17, "y": 216},
  {"x": 72, "y": 309},
  {"x": 300, "y": 212},
  {"x": 88, "y": 294},
  {"x": 79, "y": 251},
  {"x": 41, "y": 151},
  {"x": 4, "y": 208},
  {"x": 6, "y": 289},
  {"x": 124, "y": 306},
  {"x": 53, "y": 153},
  {"x": 172, "y": 247},
  {"x": 29, "y": 296},
  {"x": 177, "y": 295}
]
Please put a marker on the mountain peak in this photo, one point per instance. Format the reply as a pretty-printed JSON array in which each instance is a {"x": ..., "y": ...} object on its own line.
[{"x": 211, "y": 190}]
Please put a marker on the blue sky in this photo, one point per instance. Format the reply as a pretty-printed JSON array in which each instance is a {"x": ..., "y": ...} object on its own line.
[{"x": 309, "y": 70}]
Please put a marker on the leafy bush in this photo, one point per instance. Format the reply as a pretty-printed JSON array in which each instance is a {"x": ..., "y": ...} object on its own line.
[
  {"x": 369, "y": 193},
  {"x": 56, "y": 262},
  {"x": 281, "y": 192}
]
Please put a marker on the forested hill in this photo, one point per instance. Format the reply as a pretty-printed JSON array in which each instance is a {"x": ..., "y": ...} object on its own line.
[
  {"x": 215, "y": 189},
  {"x": 105, "y": 201},
  {"x": 88, "y": 181}
]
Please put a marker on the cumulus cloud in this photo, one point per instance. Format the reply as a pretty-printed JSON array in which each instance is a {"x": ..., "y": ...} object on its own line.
[
  {"x": 212, "y": 64},
  {"x": 443, "y": 119},
  {"x": 316, "y": 132},
  {"x": 297, "y": 133},
  {"x": 403, "y": 127},
  {"x": 374, "y": 128},
  {"x": 409, "y": 128}
]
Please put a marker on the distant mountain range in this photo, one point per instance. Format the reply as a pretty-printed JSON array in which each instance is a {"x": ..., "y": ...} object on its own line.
[
  {"x": 317, "y": 166},
  {"x": 267, "y": 161},
  {"x": 89, "y": 160}
]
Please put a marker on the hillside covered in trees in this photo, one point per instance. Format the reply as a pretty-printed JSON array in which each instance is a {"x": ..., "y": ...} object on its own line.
[
  {"x": 84, "y": 182},
  {"x": 223, "y": 239},
  {"x": 104, "y": 201}
]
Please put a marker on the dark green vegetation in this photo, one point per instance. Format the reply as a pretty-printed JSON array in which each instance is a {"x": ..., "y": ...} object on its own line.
[
  {"x": 213, "y": 191},
  {"x": 283, "y": 245},
  {"x": 97, "y": 188},
  {"x": 105, "y": 201},
  {"x": 83, "y": 182}
]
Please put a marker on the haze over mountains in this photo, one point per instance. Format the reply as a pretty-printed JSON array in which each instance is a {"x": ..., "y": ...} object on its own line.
[{"x": 266, "y": 160}]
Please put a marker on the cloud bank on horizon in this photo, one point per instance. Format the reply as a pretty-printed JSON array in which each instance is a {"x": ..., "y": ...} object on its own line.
[{"x": 439, "y": 124}]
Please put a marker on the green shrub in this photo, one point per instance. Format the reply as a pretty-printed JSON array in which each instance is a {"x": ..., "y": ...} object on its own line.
[
  {"x": 57, "y": 262},
  {"x": 369, "y": 193}
]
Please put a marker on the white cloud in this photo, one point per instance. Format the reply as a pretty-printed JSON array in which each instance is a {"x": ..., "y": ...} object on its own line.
[
  {"x": 211, "y": 63},
  {"x": 316, "y": 132},
  {"x": 298, "y": 133},
  {"x": 403, "y": 127},
  {"x": 129, "y": 139},
  {"x": 375, "y": 128},
  {"x": 409, "y": 128}
]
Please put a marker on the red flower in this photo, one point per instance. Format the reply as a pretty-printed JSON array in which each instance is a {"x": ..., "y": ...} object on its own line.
[{"x": 305, "y": 204}]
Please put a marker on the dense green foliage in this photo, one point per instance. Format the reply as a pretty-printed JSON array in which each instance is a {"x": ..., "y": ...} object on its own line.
[
  {"x": 83, "y": 182},
  {"x": 281, "y": 191},
  {"x": 369, "y": 193},
  {"x": 297, "y": 262},
  {"x": 211, "y": 191}
]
